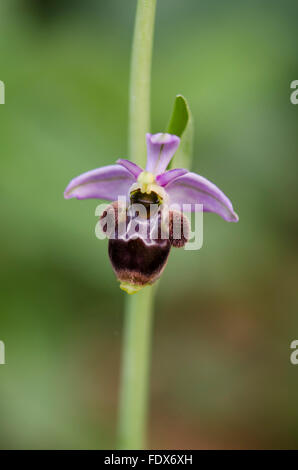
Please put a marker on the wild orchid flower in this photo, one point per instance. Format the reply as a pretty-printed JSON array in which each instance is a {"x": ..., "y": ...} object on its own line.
[{"x": 136, "y": 261}]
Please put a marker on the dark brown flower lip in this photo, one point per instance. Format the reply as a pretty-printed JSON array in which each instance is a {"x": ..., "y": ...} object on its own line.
[
  {"x": 137, "y": 259},
  {"x": 137, "y": 264}
]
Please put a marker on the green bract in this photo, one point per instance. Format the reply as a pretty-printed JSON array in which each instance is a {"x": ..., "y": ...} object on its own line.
[{"x": 181, "y": 124}]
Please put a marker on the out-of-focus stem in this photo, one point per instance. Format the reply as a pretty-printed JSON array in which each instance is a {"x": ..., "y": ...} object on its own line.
[
  {"x": 140, "y": 77},
  {"x": 135, "y": 372},
  {"x": 139, "y": 307}
]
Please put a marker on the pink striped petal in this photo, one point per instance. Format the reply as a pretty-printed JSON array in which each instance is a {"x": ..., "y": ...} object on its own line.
[
  {"x": 160, "y": 151},
  {"x": 193, "y": 189},
  {"x": 134, "y": 169},
  {"x": 107, "y": 182},
  {"x": 169, "y": 176}
]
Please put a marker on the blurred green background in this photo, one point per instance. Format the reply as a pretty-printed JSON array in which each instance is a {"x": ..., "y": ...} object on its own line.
[{"x": 226, "y": 314}]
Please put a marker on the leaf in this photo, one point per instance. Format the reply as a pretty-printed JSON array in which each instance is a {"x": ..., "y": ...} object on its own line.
[{"x": 181, "y": 124}]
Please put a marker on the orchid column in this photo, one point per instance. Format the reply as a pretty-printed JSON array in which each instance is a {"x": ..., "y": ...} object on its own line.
[{"x": 139, "y": 307}]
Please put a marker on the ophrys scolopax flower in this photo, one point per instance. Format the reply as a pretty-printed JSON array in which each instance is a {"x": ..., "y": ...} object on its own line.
[{"x": 140, "y": 259}]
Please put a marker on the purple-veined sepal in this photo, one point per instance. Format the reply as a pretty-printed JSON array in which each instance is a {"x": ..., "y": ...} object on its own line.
[{"x": 194, "y": 189}]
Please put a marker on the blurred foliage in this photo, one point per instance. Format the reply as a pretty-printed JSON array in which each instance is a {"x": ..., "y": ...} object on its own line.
[{"x": 225, "y": 315}]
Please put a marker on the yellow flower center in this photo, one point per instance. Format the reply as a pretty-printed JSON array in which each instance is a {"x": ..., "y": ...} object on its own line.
[
  {"x": 146, "y": 184},
  {"x": 146, "y": 179}
]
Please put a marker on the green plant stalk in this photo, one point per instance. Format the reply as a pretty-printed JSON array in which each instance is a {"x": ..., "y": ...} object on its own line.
[
  {"x": 140, "y": 78},
  {"x": 135, "y": 372},
  {"x": 139, "y": 307}
]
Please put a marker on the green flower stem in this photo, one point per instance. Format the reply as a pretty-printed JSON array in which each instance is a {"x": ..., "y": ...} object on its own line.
[
  {"x": 135, "y": 372},
  {"x": 140, "y": 77},
  {"x": 139, "y": 307}
]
